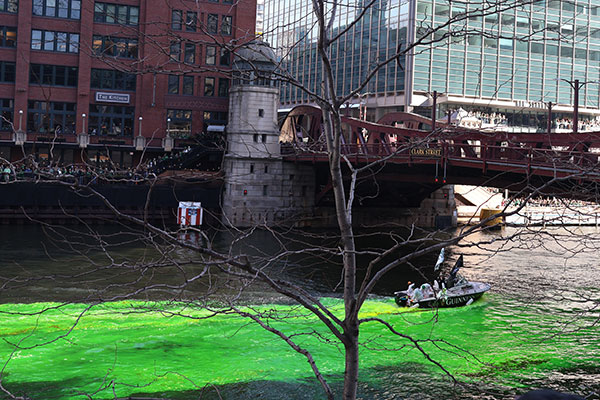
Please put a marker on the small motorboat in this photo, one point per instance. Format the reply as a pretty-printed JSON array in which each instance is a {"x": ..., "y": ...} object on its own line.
[{"x": 456, "y": 291}]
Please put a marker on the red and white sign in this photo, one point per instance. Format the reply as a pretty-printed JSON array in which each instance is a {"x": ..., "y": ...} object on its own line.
[{"x": 189, "y": 213}]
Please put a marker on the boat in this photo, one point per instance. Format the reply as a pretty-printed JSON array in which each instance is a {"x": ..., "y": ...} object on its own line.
[{"x": 456, "y": 290}]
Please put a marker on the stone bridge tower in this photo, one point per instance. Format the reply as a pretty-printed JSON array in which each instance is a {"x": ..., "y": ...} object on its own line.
[{"x": 260, "y": 188}]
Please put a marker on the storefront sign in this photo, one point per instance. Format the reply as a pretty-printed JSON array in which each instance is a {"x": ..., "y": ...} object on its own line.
[
  {"x": 531, "y": 104},
  {"x": 112, "y": 97}
]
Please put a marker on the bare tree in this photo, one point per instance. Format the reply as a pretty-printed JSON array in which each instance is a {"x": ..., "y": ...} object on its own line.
[{"x": 216, "y": 268}]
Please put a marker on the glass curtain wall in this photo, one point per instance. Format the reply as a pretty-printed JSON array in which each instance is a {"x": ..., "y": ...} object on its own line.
[
  {"x": 494, "y": 62},
  {"x": 291, "y": 29}
]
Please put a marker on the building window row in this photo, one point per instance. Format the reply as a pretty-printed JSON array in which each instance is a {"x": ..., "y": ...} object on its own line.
[
  {"x": 111, "y": 120},
  {"x": 189, "y": 54},
  {"x": 57, "y": 8},
  {"x": 11, "y": 6},
  {"x": 54, "y": 75},
  {"x": 112, "y": 79},
  {"x": 8, "y": 36},
  {"x": 188, "y": 21},
  {"x": 185, "y": 85},
  {"x": 115, "y": 47},
  {"x": 51, "y": 117},
  {"x": 116, "y": 14},
  {"x": 7, "y": 71},
  {"x": 63, "y": 42}
]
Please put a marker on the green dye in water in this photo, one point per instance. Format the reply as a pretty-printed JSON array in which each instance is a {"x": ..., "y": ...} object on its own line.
[{"x": 129, "y": 348}]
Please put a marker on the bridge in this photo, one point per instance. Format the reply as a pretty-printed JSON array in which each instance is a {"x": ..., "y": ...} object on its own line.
[{"x": 414, "y": 155}]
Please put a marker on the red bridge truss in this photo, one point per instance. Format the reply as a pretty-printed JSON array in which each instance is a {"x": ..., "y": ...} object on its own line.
[{"x": 454, "y": 154}]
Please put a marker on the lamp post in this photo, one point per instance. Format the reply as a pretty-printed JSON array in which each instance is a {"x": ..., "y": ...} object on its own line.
[
  {"x": 433, "y": 111},
  {"x": 139, "y": 142},
  {"x": 83, "y": 138},
  {"x": 168, "y": 126},
  {"x": 19, "y": 136},
  {"x": 549, "y": 127},
  {"x": 576, "y": 85}
]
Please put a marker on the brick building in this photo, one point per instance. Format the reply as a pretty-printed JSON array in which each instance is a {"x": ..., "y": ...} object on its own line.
[{"x": 82, "y": 80}]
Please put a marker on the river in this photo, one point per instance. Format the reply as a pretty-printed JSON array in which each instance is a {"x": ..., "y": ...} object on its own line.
[{"x": 537, "y": 327}]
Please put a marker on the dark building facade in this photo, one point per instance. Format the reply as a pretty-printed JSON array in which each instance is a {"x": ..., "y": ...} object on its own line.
[{"x": 82, "y": 80}]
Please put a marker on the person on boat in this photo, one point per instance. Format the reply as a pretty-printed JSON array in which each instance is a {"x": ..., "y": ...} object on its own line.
[
  {"x": 416, "y": 296},
  {"x": 410, "y": 290},
  {"x": 426, "y": 290}
]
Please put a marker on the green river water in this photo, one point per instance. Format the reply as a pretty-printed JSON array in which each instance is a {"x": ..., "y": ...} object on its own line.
[{"x": 498, "y": 347}]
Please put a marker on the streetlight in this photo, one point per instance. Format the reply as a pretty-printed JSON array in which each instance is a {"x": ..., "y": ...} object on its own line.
[
  {"x": 139, "y": 142},
  {"x": 20, "y": 119},
  {"x": 168, "y": 126},
  {"x": 576, "y": 85},
  {"x": 433, "y": 97},
  {"x": 83, "y": 118}
]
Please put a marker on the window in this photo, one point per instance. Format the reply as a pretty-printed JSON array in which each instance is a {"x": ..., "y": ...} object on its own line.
[
  {"x": 191, "y": 20},
  {"x": 173, "y": 84},
  {"x": 50, "y": 116},
  {"x": 115, "y": 47},
  {"x": 189, "y": 55},
  {"x": 175, "y": 51},
  {"x": 176, "y": 19},
  {"x": 54, "y": 75},
  {"x": 112, "y": 79},
  {"x": 261, "y": 112},
  {"x": 8, "y": 36},
  {"x": 181, "y": 123},
  {"x": 209, "y": 86},
  {"x": 266, "y": 166},
  {"x": 63, "y": 42},
  {"x": 57, "y": 8},
  {"x": 111, "y": 120},
  {"x": 212, "y": 23},
  {"x": 6, "y": 112},
  {"x": 265, "y": 189},
  {"x": 214, "y": 118},
  {"x": 225, "y": 58},
  {"x": 226, "y": 25},
  {"x": 109, "y": 13},
  {"x": 10, "y": 6},
  {"x": 251, "y": 168},
  {"x": 223, "y": 87},
  {"x": 188, "y": 85},
  {"x": 211, "y": 55},
  {"x": 7, "y": 71}
]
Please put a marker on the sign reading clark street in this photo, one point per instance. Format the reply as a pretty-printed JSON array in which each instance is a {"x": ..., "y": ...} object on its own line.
[
  {"x": 112, "y": 97},
  {"x": 425, "y": 152}
]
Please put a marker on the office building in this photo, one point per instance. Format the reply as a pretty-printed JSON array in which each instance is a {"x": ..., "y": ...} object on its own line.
[
  {"x": 501, "y": 68},
  {"x": 100, "y": 81}
]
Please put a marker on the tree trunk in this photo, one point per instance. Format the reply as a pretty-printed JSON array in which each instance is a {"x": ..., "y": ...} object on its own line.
[{"x": 351, "y": 370}]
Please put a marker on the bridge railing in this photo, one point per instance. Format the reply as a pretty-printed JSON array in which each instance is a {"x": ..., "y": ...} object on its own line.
[{"x": 477, "y": 153}]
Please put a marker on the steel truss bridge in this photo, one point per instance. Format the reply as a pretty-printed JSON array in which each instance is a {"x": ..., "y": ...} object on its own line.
[{"x": 410, "y": 154}]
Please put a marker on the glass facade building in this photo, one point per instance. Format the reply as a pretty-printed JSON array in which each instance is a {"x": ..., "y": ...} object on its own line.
[{"x": 510, "y": 59}]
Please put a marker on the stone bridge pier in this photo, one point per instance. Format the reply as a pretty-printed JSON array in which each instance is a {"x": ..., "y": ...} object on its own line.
[{"x": 261, "y": 188}]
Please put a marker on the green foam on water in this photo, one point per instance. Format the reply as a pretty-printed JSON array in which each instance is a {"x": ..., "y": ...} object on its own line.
[{"x": 139, "y": 349}]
